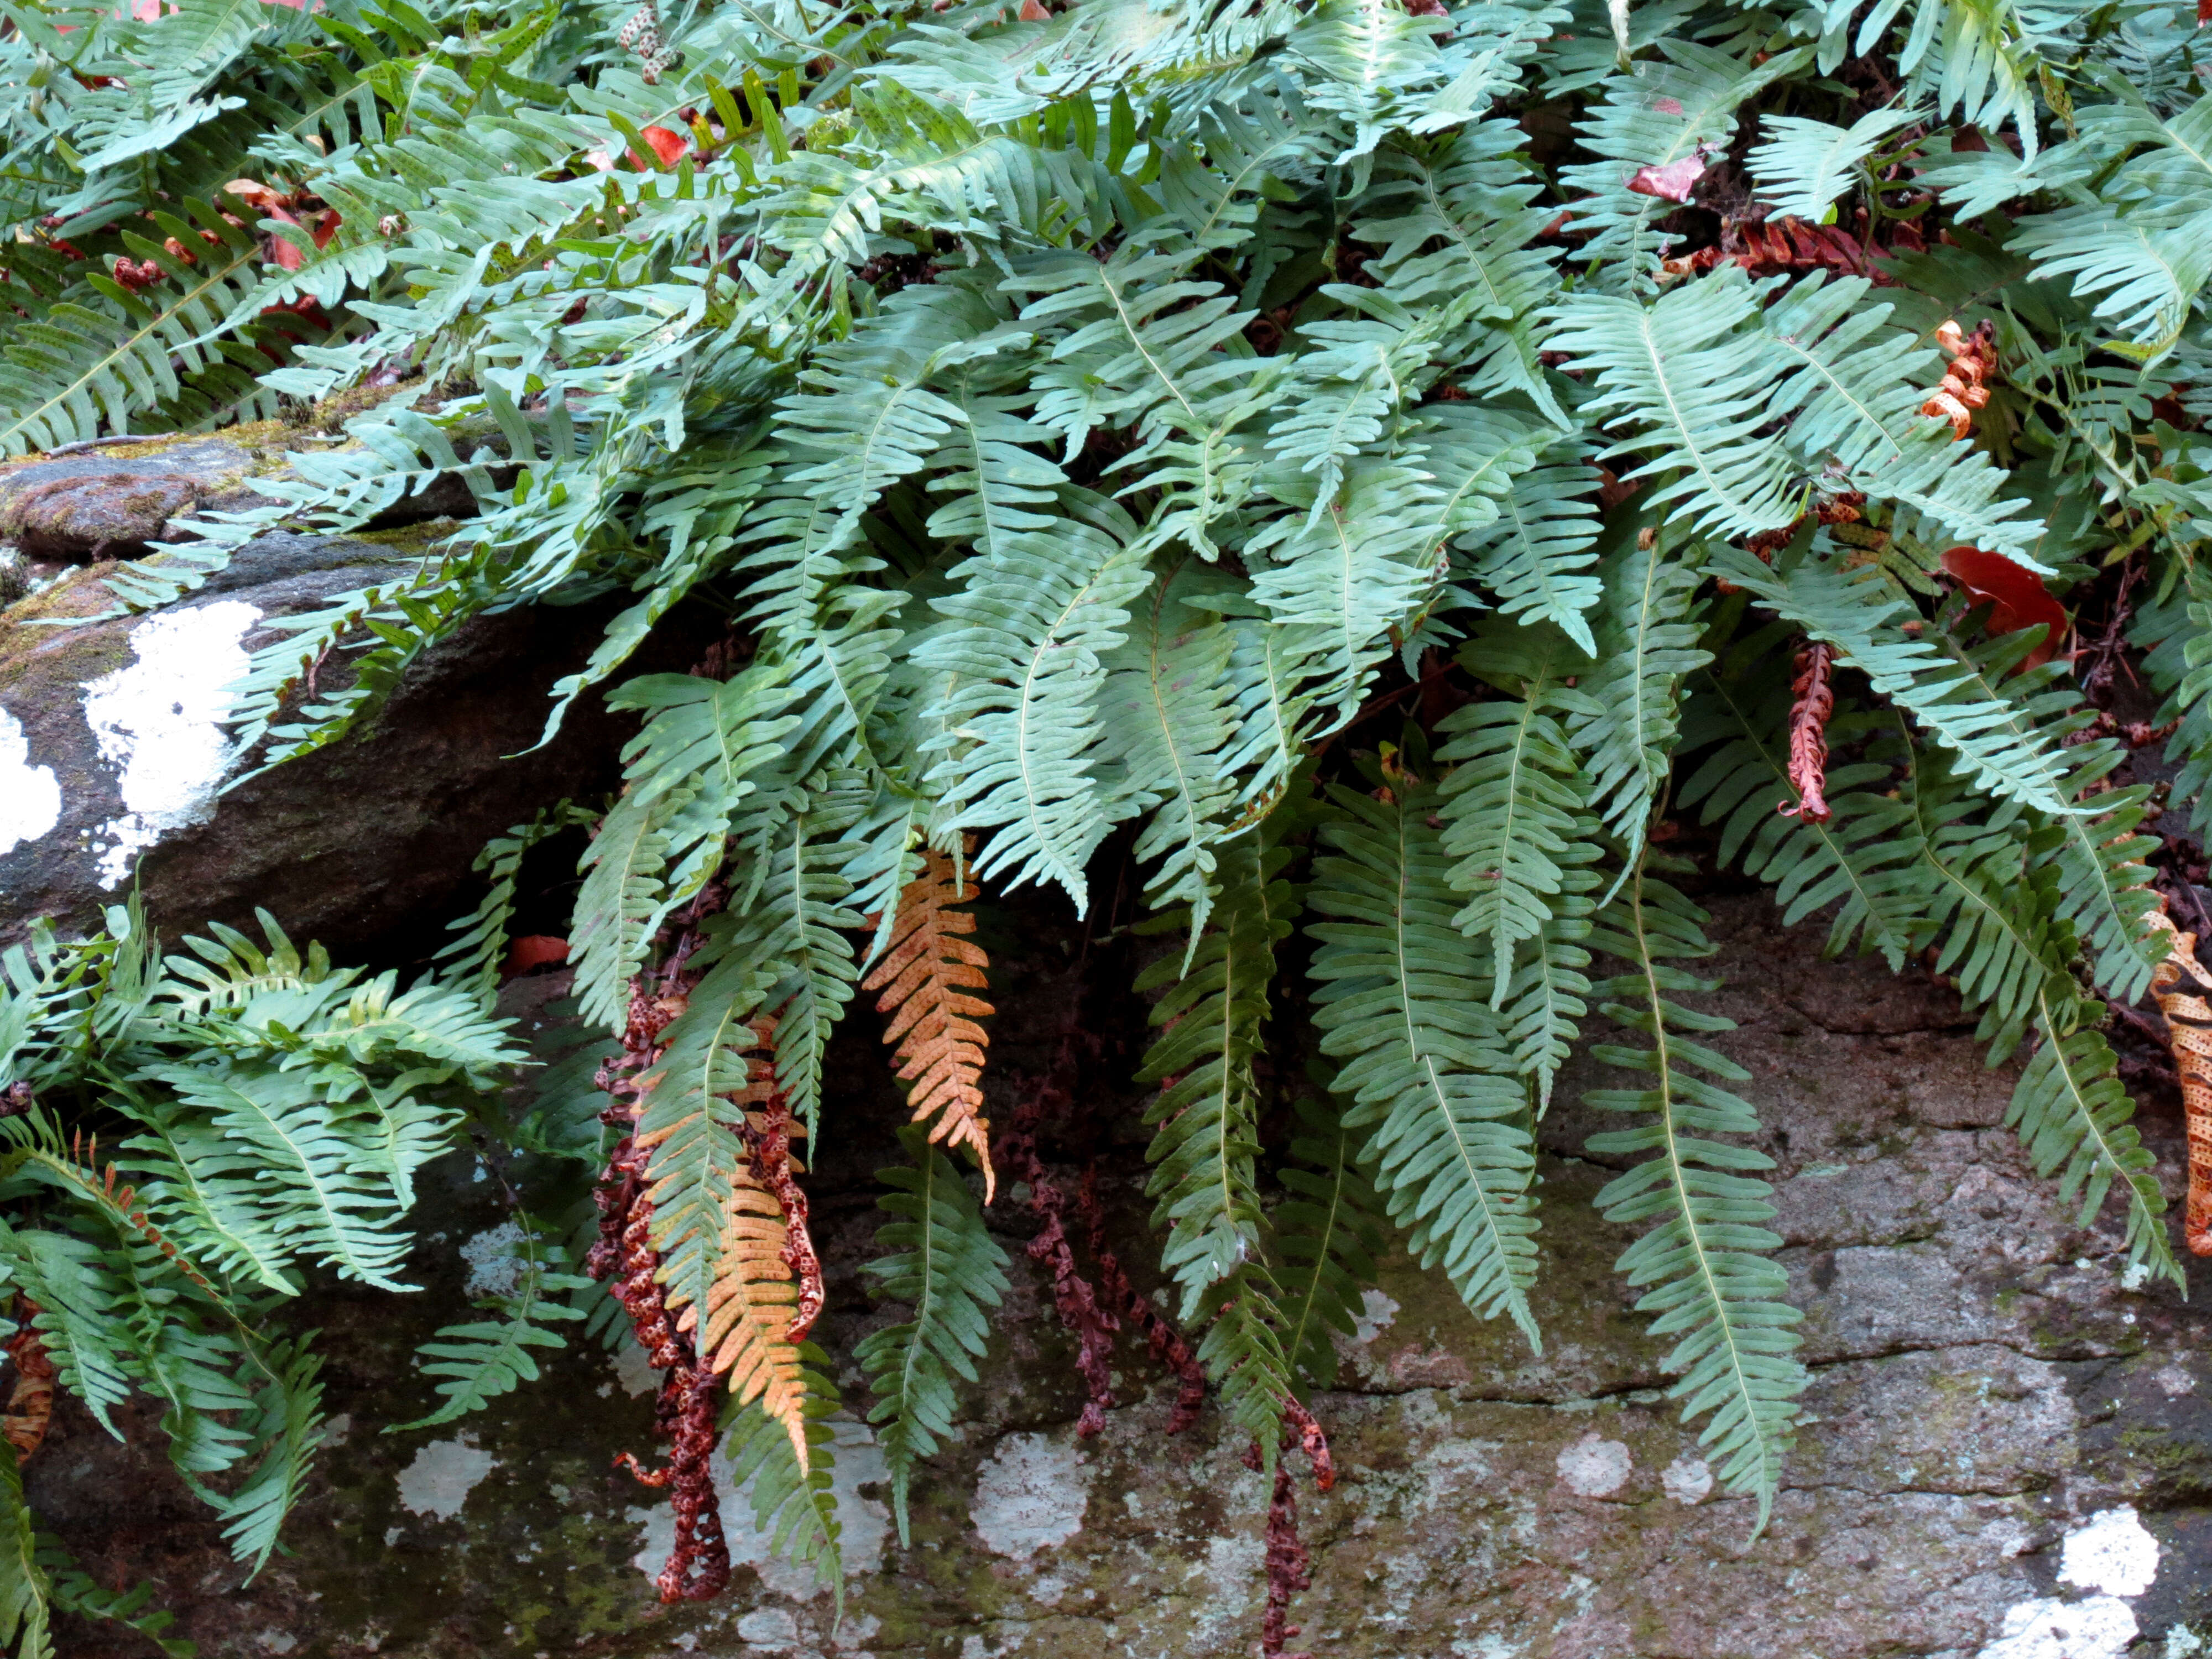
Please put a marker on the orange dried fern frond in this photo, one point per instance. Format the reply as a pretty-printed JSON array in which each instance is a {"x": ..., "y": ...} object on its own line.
[
  {"x": 924, "y": 979},
  {"x": 2180, "y": 985},
  {"x": 750, "y": 1326},
  {"x": 31, "y": 1401}
]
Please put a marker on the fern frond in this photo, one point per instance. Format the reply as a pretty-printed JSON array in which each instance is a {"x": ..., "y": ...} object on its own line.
[
  {"x": 1689, "y": 381},
  {"x": 2075, "y": 1119},
  {"x": 1858, "y": 611},
  {"x": 1449, "y": 1128},
  {"x": 1710, "y": 1283},
  {"x": 1328, "y": 1235},
  {"x": 1853, "y": 860},
  {"x": 485, "y": 1358},
  {"x": 788, "y": 1480},
  {"x": 26, "y": 1591},
  {"x": 944, "y": 1265},
  {"x": 1515, "y": 816},
  {"x": 1167, "y": 699},
  {"x": 1647, "y": 641},
  {"x": 1805, "y": 164},
  {"x": 926, "y": 978}
]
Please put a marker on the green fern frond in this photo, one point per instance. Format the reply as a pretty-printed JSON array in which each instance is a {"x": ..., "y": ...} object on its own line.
[
  {"x": 946, "y": 1266},
  {"x": 2075, "y": 1119},
  {"x": 1515, "y": 816},
  {"x": 1710, "y": 1281},
  {"x": 1328, "y": 1235},
  {"x": 1449, "y": 1128},
  {"x": 485, "y": 1358},
  {"x": 1647, "y": 641}
]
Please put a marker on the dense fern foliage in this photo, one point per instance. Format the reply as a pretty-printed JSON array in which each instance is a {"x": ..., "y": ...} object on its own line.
[{"x": 1386, "y": 471}]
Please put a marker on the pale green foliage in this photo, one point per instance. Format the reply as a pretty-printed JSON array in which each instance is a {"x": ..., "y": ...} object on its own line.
[
  {"x": 947, "y": 1267},
  {"x": 273, "y": 1112},
  {"x": 1703, "y": 1266},
  {"x": 1077, "y": 434}
]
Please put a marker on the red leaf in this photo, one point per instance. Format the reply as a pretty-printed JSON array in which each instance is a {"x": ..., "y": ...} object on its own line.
[
  {"x": 2016, "y": 596},
  {"x": 533, "y": 950},
  {"x": 668, "y": 146},
  {"x": 1669, "y": 106},
  {"x": 1672, "y": 182},
  {"x": 1033, "y": 13}
]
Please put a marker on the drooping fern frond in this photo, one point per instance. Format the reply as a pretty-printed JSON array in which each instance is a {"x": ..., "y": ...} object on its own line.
[
  {"x": 2075, "y": 1119},
  {"x": 1328, "y": 1235},
  {"x": 1628, "y": 709},
  {"x": 1514, "y": 816},
  {"x": 484, "y": 1359},
  {"x": 1703, "y": 1268},
  {"x": 926, "y": 978},
  {"x": 1206, "y": 1128},
  {"x": 944, "y": 1264},
  {"x": 788, "y": 1479},
  {"x": 1447, "y": 1125}
]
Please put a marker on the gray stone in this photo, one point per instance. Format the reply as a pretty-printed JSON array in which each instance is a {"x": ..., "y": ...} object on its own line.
[{"x": 114, "y": 759}]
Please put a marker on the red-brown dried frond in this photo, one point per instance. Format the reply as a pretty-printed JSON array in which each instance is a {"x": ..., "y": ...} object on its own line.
[
  {"x": 924, "y": 978},
  {"x": 2180, "y": 985},
  {"x": 1092, "y": 1324},
  {"x": 769, "y": 1135},
  {"x": 1966, "y": 382},
  {"x": 31, "y": 1401},
  {"x": 1166, "y": 1341},
  {"x": 698, "y": 1565},
  {"x": 1814, "y": 699}
]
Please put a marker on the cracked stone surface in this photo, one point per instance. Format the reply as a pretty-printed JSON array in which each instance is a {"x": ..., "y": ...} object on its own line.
[{"x": 2006, "y": 1453}]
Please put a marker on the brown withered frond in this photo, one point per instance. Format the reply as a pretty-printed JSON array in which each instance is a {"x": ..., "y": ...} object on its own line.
[
  {"x": 2181, "y": 985},
  {"x": 745, "y": 1332},
  {"x": 924, "y": 978},
  {"x": 1814, "y": 700},
  {"x": 750, "y": 1309},
  {"x": 31, "y": 1402}
]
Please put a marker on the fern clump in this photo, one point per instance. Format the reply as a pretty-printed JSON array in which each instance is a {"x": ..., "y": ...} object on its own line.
[{"x": 1350, "y": 479}]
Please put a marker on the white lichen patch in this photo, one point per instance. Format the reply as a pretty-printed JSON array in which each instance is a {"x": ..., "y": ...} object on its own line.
[
  {"x": 493, "y": 1268},
  {"x": 1030, "y": 1496},
  {"x": 1595, "y": 1466},
  {"x": 2099, "y": 1628},
  {"x": 1377, "y": 1313},
  {"x": 30, "y": 796},
  {"x": 441, "y": 1477},
  {"x": 769, "y": 1627},
  {"x": 635, "y": 1371},
  {"x": 158, "y": 723},
  {"x": 1687, "y": 1479},
  {"x": 2114, "y": 1554}
]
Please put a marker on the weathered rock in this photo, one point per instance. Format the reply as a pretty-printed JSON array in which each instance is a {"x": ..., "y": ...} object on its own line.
[
  {"x": 111, "y": 744},
  {"x": 2003, "y": 1438},
  {"x": 111, "y": 502}
]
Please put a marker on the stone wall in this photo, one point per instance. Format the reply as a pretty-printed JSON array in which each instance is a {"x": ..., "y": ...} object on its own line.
[{"x": 2006, "y": 1451}]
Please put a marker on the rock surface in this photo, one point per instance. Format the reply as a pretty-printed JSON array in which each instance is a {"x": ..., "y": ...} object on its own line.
[
  {"x": 2006, "y": 1451},
  {"x": 112, "y": 745}
]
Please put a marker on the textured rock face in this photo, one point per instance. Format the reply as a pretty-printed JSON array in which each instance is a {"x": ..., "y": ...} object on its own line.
[
  {"x": 112, "y": 747},
  {"x": 2006, "y": 1451}
]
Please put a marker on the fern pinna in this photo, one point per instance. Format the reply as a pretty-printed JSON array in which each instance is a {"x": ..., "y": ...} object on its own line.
[{"x": 1352, "y": 495}]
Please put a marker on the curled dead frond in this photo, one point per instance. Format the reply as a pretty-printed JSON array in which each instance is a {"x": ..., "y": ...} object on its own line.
[
  {"x": 924, "y": 979},
  {"x": 1965, "y": 383},
  {"x": 1813, "y": 700},
  {"x": 2181, "y": 986},
  {"x": 31, "y": 1401}
]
